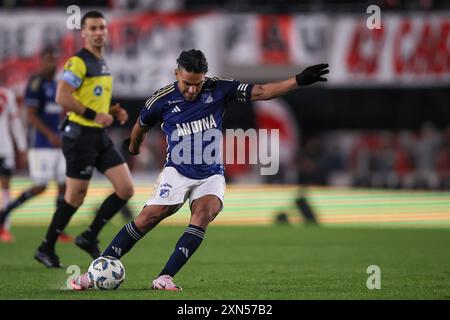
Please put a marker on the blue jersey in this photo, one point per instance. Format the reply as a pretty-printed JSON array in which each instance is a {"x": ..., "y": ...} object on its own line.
[
  {"x": 40, "y": 94},
  {"x": 191, "y": 127}
]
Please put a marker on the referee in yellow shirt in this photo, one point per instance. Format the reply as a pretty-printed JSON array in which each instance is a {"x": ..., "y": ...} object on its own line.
[{"x": 85, "y": 90}]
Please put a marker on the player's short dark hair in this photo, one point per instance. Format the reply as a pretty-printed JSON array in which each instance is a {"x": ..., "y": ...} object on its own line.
[
  {"x": 91, "y": 14},
  {"x": 193, "y": 61}
]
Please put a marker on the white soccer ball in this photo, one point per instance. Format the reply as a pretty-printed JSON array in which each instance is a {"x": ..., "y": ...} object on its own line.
[{"x": 106, "y": 273}]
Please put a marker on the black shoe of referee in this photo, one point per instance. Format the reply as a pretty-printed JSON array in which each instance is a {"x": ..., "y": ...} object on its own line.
[
  {"x": 47, "y": 258},
  {"x": 90, "y": 246}
]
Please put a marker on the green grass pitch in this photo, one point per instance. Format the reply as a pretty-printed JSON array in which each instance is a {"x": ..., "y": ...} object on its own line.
[{"x": 243, "y": 262}]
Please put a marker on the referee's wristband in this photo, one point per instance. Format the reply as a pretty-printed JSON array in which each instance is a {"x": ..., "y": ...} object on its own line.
[{"x": 89, "y": 114}]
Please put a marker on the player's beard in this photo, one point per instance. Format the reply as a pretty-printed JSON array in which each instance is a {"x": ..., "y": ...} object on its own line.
[{"x": 190, "y": 97}]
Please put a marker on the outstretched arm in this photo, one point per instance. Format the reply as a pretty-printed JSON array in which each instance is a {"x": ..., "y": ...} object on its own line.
[{"x": 275, "y": 89}]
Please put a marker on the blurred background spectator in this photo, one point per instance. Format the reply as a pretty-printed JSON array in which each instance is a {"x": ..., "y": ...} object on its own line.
[{"x": 237, "y": 5}]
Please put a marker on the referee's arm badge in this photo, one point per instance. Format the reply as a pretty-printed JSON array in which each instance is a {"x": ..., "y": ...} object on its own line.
[{"x": 74, "y": 71}]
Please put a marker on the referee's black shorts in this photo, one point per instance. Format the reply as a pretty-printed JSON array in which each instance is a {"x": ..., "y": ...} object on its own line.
[{"x": 86, "y": 148}]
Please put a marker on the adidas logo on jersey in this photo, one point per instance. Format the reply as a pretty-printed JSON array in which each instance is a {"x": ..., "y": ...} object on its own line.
[{"x": 176, "y": 109}]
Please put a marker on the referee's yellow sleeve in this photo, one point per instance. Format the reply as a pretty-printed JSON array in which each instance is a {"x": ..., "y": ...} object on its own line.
[{"x": 74, "y": 71}]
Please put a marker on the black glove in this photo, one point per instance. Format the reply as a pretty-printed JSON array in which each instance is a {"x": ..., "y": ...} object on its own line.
[
  {"x": 312, "y": 74},
  {"x": 126, "y": 146}
]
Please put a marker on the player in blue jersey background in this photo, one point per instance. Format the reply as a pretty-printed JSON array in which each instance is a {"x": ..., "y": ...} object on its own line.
[
  {"x": 190, "y": 112},
  {"x": 45, "y": 159}
]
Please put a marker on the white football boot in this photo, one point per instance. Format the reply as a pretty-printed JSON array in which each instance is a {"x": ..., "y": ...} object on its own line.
[
  {"x": 165, "y": 282},
  {"x": 81, "y": 283}
]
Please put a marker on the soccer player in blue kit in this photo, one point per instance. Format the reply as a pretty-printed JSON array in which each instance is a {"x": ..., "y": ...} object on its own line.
[
  {"x": 45, "y": 158},
  {"x": 192, "y": 105}
]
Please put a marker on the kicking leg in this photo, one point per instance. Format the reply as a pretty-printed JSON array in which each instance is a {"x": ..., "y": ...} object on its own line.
[
  {"x": 130, "y": 234},
  {"x": 203, "y": 211}
]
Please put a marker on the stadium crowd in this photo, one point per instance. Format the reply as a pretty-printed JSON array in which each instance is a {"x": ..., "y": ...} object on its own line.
[
  {"x": 237, "y": 5},
  {"x": 378, "y": 159}
]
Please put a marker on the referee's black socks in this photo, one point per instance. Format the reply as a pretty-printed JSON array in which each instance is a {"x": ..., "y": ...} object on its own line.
[
  {"x": 60, "y": 220},
  {"x": 107, "y": 210}
]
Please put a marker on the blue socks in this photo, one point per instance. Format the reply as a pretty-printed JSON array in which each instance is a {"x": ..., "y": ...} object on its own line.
[
  {"x": 124, "y": 241},
  {"x": 184, "y": 249}
]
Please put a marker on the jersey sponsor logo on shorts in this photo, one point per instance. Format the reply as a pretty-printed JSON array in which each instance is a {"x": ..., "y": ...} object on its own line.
[
  {"x": 188, "y": 128},
  {"x": 165, "y": 190},
  {"x": 164, "y": 193}
]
